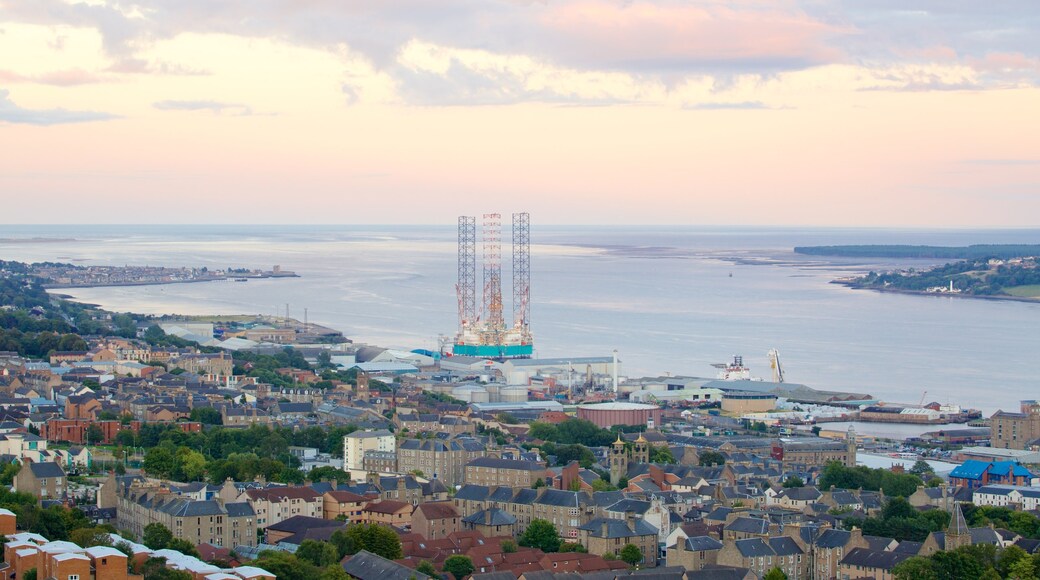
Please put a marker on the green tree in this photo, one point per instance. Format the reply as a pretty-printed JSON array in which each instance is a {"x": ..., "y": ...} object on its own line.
[
  {"x": 1023, "y": 570},
  {"x": 206, "y": 415},
  {"x": 794, "y": 481},
  {"x": 541, "y": 534},
  {"x": 320, "y": 554},
  {"x": 325, "y": 359},
  {"x": 183, "y": 546},
  {"x": 126, "y": 438},
  {"x": 192, "y": 464},
  {"x": 425, "y": 567},
  {"x": 661, "y": 454},
  {"x": 160, "y": 462},
  {"x": 156, "y": 536},
  {"x": 956, "y": 565},
  {"x": 711, "y": 458},
  {"x": 334, "y": 572},
  {"x": 573, "y": 547},
  {"x": 775, "y": 574},
  {"x": 94, "y": 434},
  {"x": 88, "y": 537},
  {"x": 29, "y": 574},
  {"x": 1009, "y": 557},
  {"x": 916, "y": 568},
  {"x": 459, "y": 566},
  {"x": 630, "y": 554},
  {"x": 8, "y": 472},
  {"x": 374, "y": 538},
  {"x": 508, "y": 546},
  {"x": 285, "y": 566},
  {"x": 921, "y": 468},
  {"x": 155, "y": 569}
]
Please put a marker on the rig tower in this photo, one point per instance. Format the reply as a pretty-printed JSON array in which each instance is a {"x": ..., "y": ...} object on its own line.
[{"x": 486, "y": 334}]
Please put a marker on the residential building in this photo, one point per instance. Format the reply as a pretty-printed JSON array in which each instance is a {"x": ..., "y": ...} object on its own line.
[
  {"x": 275, "y": 504},
  {"x": 694, "y": 553},
  {"x": 1017, "y": 497},
  {"x": 357, "y": 443},
  {"x": 214, "y": 521},
  {"x": 343, "y": 503},
  {"x": 436, "y": 520},
  {"x": 443, "y": 460},
  {"x": 43, "y": 480},
  {"x": 609, "y": 536},
  {"x": 1010, "y": 430},
  {"x": 761, "y": 555},
  {"x": 508, "y": 472},
  {"x": 388, "y": 512},
  {"x": 867, "y": 563}
]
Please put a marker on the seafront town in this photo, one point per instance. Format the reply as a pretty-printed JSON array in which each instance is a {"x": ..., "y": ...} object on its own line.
[{"x": 273, "y": 454}]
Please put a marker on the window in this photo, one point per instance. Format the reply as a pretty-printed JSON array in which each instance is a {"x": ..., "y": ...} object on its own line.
[{"x": 73, "y": 576}]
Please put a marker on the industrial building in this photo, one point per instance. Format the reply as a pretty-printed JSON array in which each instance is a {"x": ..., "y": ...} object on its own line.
[
  {"x": 741, "y": 402},
  {"x": 606, "y": 415}
]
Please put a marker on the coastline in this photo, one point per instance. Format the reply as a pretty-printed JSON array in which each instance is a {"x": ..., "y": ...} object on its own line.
[
  {"x": 854, "y": 286},
  {"x": 166, "y": 282}
]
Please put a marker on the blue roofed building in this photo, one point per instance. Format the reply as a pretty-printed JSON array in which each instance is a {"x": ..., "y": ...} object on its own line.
[{"x": 974, "y": 473}]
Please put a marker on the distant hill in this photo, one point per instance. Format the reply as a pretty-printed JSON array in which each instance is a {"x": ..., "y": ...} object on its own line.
[{"x": 974, "y": 252}]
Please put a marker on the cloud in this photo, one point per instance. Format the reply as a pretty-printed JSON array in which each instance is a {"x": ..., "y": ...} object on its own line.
[
  {"x": 745, "y": 105},
  {"x": 211, "y": 106},
  {"x": 12, "y": 113},
  {"x": 60, "y": 78}
]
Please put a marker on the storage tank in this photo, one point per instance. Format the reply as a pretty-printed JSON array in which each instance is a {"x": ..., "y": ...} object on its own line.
[
  {"x": 471, "y": 394},
  {"x": 512, "y": 394}
]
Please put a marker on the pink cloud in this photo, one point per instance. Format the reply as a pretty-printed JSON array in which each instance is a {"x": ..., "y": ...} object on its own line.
[{"x": 645, "y": 32}]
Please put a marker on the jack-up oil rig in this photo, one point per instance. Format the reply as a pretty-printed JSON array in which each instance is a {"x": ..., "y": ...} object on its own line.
[{"x": 485, "y": 333}]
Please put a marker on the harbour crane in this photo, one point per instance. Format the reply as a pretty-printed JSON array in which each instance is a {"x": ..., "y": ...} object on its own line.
[{"x": 774, "y": 363}]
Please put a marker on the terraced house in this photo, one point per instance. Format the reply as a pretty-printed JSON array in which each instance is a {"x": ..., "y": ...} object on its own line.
[
  {"x": 443, "y": 460},
  {"x": 508, "y": 472},
  {"x": 275, "y": 504},
  {"x": 209, "y": 521},
  {"x": 567, "y": 510}
]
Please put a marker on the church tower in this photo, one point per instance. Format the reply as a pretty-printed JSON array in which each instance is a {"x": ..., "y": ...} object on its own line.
[
  {"x": 641, "y": 450},
  {"x": 618, "y": 461},
  {"x": 957, "y": 533},
  {"x": 850, "y": 448}
]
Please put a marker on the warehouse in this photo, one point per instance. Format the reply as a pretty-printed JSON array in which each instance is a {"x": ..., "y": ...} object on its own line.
[{"x": 606, "y": 415}]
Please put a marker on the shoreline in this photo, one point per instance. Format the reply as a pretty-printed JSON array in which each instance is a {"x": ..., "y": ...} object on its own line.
[
  {"x": 854, "y": 286},
  {"x": 166, "y": 282}
]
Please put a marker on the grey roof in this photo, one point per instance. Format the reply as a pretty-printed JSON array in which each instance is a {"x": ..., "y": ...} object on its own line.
[
  {"x": 630, "y": 505},
  {"x": 614, "y": 528},
  {"x": 472, "y": 492},
  {"x": 238, "y": 509},
  {"x": 831, "y": 538},
  {"x": 498, "y": 518},
  {"x": 908, "y": 547},
  {"x": 874, "y": 559},
  {"x": 784, "y": 546},
  {"x": 753, "y": 548},
  {"x": 749, "y": 526},
  {"x": 878, "y": 543},
  {"x": 702, "y": 543},
  {"x": 562, "y": 498},
  {"x": 718, "y": 573},
  {"x": 368, "y": 566},
  {"x": 41, "y": 470}
]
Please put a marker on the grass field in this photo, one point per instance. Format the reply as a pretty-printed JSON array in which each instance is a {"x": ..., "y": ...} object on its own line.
[{"x": 1032, "y": 291}]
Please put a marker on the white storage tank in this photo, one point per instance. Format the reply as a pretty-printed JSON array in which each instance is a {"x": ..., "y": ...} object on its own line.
[{"x": 513, "y": 394}]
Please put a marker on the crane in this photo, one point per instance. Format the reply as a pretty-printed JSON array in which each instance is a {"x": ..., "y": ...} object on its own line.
[
  {"x": 774, "y": 363},
  {"x": 923, "y": 395}
]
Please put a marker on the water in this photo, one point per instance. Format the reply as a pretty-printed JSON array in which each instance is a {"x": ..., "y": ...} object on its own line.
[{"x": 670, "y": 299}]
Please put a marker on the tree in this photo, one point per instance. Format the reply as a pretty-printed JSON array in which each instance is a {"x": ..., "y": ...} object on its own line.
[
  {"x": 921, "y": 468},
  {"x": 29, "y": 574},
  {"x": 425, "y": 567},
  {"x": 160, "y": 462},
  {"x": 94, "y": 434},
  {"x": 157, "y": 536},
  {"x": 88, "y": 537},
  {"x": 712, "y": 458},
  {"x": 206, "y": 416},
  {"x": 573, "y": 547},
  {"x": 630, "y": 554},
  {"x": 334, "y": 572},
  {"x": 126, "y": 438},
  {"x": 775, "y": 574},
  {"x": 183, "y": 546},
  {"x": 538, "y": 483},
  {"x": 379, "y": 540},
  {"x": 916, "y": 568},
  {"x": 661, "y": 454},
  {"x": 155, "y": 569},
  {"x": 325, "y": 359},
  {"x": 541, "y": 534},
  {"x": 794, "y": 481},
  {"x": 320, "y": 554},
  {"x": 285, "y": 566},
  {"x": 459, "y": 566}
]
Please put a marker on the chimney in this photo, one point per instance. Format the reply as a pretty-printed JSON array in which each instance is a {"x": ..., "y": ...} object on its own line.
[
  {"x": 487, "y": 516},
  {"x": 630, "y": 520},
  {"x": 334, "y": 483},
  {"x": 857, "y": 536},
  {"x": 605, "y": 528}
]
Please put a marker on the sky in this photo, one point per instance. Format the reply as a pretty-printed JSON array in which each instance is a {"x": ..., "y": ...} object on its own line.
[{"x": 750, "y": 112}]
